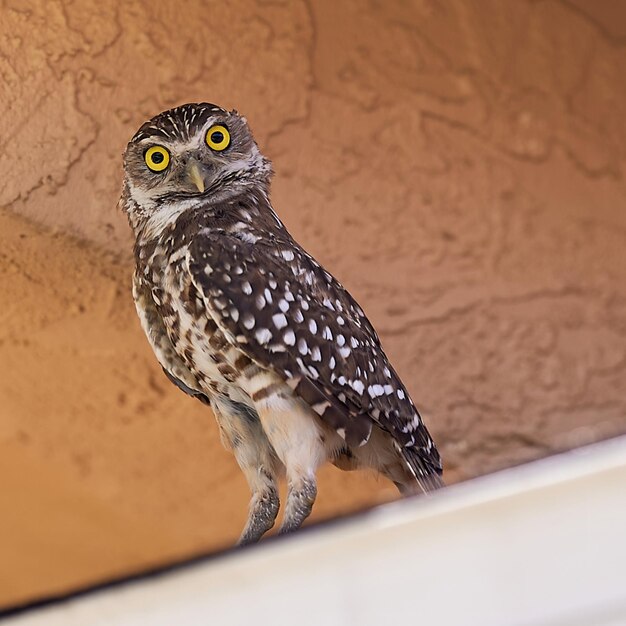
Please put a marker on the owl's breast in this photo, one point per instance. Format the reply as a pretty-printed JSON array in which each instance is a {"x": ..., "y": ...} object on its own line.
[{"x": 191, "y": 332}]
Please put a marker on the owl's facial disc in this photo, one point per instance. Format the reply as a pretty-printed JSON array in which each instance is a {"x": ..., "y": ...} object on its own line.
[{"x": 194, "y": 154}]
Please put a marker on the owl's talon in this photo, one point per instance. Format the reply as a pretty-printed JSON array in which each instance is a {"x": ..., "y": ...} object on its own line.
[
  {"x": 263, "y": 511},
  {"x": 300, "y": 501}
]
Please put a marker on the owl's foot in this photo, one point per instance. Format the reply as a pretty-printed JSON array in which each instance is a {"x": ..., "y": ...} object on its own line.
[
  {"x": 300, "y": 500},
  {"x": 263, "y": 511}
]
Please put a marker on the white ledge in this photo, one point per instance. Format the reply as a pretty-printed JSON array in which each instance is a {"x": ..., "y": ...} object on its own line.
[{"x": 542, "y": 544}]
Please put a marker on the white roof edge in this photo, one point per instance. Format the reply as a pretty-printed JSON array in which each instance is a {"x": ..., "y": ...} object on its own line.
[{"x": 540, "y": 544}]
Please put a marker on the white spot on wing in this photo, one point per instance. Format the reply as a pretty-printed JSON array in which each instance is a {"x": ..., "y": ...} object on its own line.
[
  {"x": 263, "y": 335},
  {"x": 280, "y": 321},
  {"x": 375, "y": 390},
  {"x": 248, "y": 237},
  {"x": 358, "y": 386}
]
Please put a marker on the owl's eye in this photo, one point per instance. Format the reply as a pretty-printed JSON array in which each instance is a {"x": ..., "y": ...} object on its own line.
[
  {"x": 157, "y": 158},
  {"x": 218, "y": 138}
]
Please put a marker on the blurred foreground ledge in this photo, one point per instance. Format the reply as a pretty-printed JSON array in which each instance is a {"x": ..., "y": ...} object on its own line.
[{"x": 540, "y": 544}]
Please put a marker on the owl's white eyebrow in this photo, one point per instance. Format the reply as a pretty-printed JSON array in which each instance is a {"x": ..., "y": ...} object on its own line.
[
  {"x": 175, "y": 147},
  {"x": 155, "y": 128}
]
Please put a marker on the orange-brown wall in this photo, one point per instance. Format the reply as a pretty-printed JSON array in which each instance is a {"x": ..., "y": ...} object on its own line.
[{"x": 458, "y": 165}]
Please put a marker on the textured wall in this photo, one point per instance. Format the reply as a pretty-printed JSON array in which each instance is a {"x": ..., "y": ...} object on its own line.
[{"x": 458, "y": 165}]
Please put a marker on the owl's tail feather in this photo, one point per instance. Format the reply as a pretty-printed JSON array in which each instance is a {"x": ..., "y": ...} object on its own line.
[
  {"x": 430, "y": 482},
  {"x": 424, "y": 476}
]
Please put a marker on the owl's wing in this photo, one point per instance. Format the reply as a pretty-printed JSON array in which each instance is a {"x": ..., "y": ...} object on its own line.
[{"x": 288, "y": 314}]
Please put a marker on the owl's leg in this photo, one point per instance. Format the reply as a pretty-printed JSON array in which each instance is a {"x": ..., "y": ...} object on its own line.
[
  {"x": 263, "y": 508},
  {"x": 298, "y": 441},
  {"x": 242, "y": 433}
]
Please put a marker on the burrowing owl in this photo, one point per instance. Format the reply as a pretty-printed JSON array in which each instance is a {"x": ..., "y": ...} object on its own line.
[{"x": 242, "y": 318}]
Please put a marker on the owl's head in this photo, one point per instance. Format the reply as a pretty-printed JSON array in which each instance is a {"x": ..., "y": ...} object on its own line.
[{"x": 193, "y": 154}]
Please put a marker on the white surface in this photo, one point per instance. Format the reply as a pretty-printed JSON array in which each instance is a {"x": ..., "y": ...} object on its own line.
[{"x": 543, "y": 544}]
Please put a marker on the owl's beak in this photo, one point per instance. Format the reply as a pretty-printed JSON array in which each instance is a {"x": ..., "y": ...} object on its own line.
[{"x": 194, "y": 174}]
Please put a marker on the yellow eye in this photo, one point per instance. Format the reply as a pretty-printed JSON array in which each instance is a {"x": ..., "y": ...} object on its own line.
[
  {"x": 157, "y": 158},
  {"x": 218, "y": 138}
]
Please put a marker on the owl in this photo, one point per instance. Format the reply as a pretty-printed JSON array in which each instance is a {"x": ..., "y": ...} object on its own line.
[{"x": 242, "y": 318}]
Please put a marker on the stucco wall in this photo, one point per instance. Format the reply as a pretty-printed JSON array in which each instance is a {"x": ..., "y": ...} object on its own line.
[{"x": 458, "y": 165}]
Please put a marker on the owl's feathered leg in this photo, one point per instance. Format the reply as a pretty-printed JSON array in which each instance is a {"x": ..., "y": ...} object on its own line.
[
  {"x": 301, "y": 494},
  {"x": 263, "y": 509},
  {"x": 242, "y": 433},
  {"x": 299, "y": 444}
]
